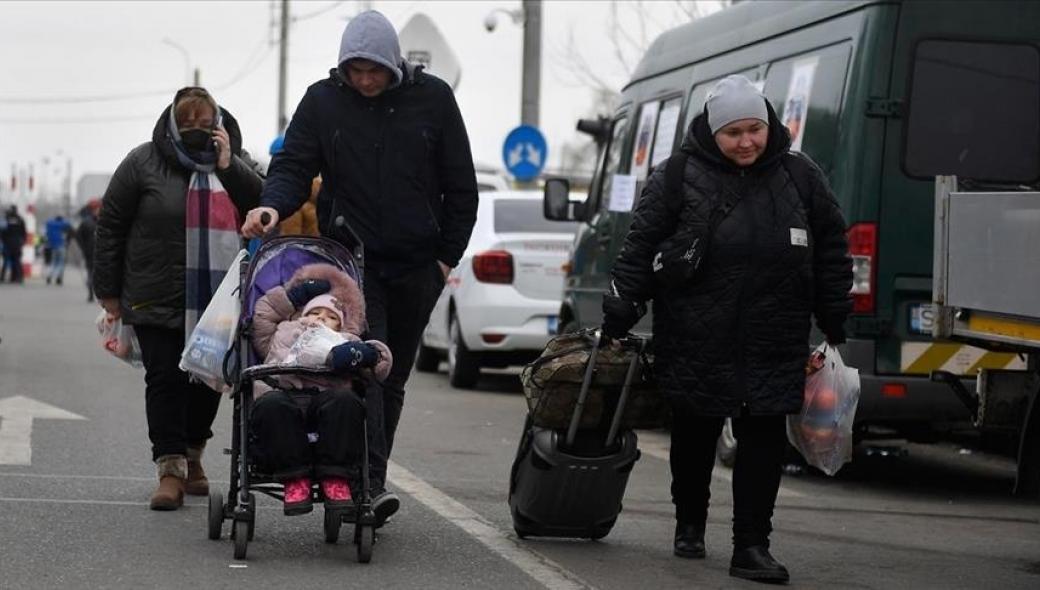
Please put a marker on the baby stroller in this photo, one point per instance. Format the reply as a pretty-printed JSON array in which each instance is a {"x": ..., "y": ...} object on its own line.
[{"x": 271, "y": 265}]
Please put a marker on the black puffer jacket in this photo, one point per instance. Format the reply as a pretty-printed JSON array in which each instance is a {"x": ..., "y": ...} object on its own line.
[
  {"x": 139, "y": 253},
  {"x": 397, "y": 167},
  {"x": 737, "y": 340}
]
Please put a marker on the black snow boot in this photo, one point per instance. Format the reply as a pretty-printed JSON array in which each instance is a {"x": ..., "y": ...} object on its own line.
[
  {"x": 755, "y": 563},
  {"x": 689, "y": 540}
]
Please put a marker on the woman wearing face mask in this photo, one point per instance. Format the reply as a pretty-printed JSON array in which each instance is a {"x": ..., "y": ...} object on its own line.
[
  {"x": 166, "y": 234},
  {"x": 731, "y": 338}
]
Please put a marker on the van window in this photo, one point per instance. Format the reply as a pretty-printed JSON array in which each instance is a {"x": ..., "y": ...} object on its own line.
[
  {"x": 974, "y": 111},
  {"x": 806, "y": 91},
  {"x": 611, "y": 165}
]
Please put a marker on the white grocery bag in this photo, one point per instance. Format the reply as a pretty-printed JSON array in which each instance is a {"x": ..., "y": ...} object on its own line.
[
  {"x": 214, "y": 335},
  {"x": 822, "y": 430}
]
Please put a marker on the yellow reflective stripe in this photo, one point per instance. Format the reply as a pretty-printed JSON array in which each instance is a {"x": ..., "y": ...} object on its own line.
[
  {"x": 1003, "y": 327},
  {"x": 933, "y": 358},
  {"x": 991, "y": 360}
]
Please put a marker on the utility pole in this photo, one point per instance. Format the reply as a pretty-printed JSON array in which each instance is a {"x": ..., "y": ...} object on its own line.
[
  {"x": 283, "y": 58},
  {"x": 68, "y": 187},
  {"x": 532, "y": 63}
]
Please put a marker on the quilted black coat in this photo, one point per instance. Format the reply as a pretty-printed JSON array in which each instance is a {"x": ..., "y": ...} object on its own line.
[{"x": 736, "y": 340}]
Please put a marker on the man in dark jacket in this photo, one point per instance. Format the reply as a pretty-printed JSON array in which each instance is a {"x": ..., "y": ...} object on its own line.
[
  {"x": 85, "y": 240},
  {"x": 392, "y": 150},
  {"x": 14, "y": 236}
]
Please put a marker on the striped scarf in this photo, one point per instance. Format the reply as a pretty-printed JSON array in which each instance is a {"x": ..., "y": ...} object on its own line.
[{"x": 212, "y": 243}]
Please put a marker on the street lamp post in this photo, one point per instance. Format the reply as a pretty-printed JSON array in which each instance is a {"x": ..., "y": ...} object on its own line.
[
  {"x": 189, "y": 77},
  {"x": 530, "y": 15}
]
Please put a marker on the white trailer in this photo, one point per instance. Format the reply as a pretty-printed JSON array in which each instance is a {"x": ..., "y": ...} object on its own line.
[{"x": 986, "y": 292}]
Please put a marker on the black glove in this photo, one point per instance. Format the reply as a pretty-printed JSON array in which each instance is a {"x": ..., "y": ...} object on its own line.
[
  {"x": 833, "y": 328},
  {"x": 353, "y": 355},
  {"x": 619, "y": 315},
  {"x": 300, "y": 294}
]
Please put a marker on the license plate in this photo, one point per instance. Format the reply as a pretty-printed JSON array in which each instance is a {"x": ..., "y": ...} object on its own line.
[
  {"x": 553, "y": 324},
  {"x": 922, "y": 318}
]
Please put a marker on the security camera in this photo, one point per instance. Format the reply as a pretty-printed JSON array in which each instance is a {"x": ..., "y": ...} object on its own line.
[{"x": 490, "y": 22}]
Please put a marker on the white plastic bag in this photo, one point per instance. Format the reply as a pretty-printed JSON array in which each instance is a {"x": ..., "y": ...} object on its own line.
[
  {"x": 822, "y": 431},
  {"x": 119, "y": 339},
  {"x": 312, "y": 347},
  {"x": 214, "y": 335}
]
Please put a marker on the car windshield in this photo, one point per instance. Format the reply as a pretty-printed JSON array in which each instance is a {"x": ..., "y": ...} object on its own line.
[{"x": 525, "y": 215}]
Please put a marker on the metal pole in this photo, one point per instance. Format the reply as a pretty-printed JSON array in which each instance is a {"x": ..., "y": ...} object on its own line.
[
  {"x": 532, "y": 65},
  {"x": 283, "y": 58},
  {"x": 68, "y": 188},
  {"x": 197, "y": 77}
]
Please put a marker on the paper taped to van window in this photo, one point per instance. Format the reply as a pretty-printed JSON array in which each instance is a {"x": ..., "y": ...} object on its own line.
[
  {"x": 644, "y": 137},
  {"x": 665, "y": 136},
  {"x": 622, "y": 192},
  {"x": 799, "y": 91}
]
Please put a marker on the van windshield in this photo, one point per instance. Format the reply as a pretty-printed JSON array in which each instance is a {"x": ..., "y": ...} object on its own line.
[
  {"x": 525, "y": 215},
  {"x": 974, "y": 111}
]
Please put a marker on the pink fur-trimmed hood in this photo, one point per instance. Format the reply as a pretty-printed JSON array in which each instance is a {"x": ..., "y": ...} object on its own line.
[{"x": 350, "y": 300}]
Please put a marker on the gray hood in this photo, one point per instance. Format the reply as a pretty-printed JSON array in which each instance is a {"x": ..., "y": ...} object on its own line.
[{"x": 370, "y": 36}]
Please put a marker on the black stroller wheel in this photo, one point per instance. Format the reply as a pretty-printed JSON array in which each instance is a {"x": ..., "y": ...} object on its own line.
[
  {"x": 241, "y": 530},
  {"x": 333, "y": 521},
  {"x": 365, "y": 539},
  {"x": 216, "y": 513}
]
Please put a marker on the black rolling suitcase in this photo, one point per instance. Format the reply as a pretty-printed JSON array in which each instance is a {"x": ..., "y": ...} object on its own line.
[{"x": 570, "y": 483}]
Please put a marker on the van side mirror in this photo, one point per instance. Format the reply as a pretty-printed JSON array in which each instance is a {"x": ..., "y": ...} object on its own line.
[{"x": 556, "y": 203}]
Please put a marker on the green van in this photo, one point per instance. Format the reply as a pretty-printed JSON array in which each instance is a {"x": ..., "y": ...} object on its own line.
[{"x": 883, "y": 94}]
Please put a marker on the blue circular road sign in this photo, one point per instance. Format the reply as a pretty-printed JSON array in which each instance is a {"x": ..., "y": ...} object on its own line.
[{"x": 525, "y": 152}]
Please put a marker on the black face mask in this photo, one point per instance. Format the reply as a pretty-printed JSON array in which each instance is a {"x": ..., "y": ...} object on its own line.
[{"x": 196, "y": 140}]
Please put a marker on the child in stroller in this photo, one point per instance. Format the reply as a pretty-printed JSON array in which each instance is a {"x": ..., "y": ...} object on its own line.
[{"x": 319, "y": 297}]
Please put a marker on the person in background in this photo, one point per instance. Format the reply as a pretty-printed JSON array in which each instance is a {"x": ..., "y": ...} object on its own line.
[
  {"x": 392, "y": 150},
  {"x": 13, "y": 237},
  {"x": 84, "y": 236},
  {"x": 305, "y": 221},
  {"x": 166, "y": 235},
  {"x": 57, "y": 231},
  {"x": 732, "y": 340}
]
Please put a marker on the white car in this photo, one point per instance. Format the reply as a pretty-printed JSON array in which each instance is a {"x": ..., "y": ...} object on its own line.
[
  {"x": 501, "y": 303},
  {"x": 491, "y": 181}
]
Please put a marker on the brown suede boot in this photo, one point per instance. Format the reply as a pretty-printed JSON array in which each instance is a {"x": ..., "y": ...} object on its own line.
[
  {"x": 172, "y": 470},
  {"x": 197, "y": 484}
]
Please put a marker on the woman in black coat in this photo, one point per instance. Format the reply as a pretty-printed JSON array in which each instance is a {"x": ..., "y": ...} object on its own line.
[
  {"x": 732, "y": 341},
  {"x": 141, "y": 261}
]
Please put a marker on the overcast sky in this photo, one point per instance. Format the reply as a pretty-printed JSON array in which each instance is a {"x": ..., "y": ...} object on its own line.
[{"x": 55, "y": 54}]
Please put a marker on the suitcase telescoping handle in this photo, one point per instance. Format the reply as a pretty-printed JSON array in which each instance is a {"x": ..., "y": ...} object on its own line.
[{"x": 586, "y": 383}]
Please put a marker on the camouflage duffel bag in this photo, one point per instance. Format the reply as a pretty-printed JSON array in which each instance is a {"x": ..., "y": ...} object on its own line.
[{"x": 552, "y": 385}]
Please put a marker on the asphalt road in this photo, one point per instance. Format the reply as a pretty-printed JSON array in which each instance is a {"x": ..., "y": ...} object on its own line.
[{"x": 77, "y": 515}]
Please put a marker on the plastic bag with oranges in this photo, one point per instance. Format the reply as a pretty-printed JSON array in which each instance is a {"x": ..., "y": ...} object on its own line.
[{"x": 822, "y": 430}]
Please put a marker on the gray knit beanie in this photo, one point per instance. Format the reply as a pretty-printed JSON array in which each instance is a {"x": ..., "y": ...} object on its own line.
[
  {"x": 370, "y": 36},
  {"x": 732, "y": 99}
]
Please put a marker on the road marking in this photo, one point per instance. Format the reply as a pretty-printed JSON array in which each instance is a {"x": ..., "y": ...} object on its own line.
[
  {"x": 90, "y": 502},
  {"x": 656, "y": 445},
  {"x": 542, "y": 569},
  {"x": 16, "y": 421},
  {"x": 84, "y": 476}
]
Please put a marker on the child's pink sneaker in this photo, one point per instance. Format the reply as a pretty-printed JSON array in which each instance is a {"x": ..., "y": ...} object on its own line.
[
  {"x": 297, "y": 498},
  {"x": 336, "y": 491}
]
